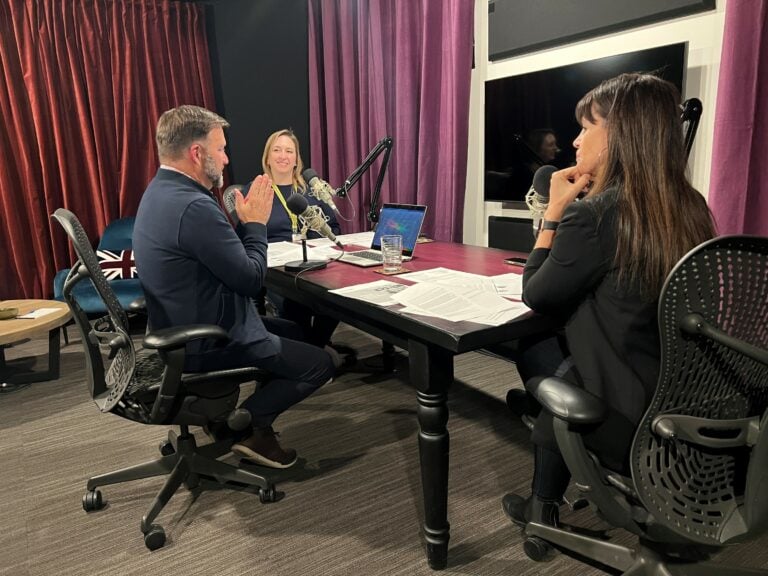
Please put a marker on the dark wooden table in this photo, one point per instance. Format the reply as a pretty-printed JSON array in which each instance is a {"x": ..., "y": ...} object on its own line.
[{"x": 431, "y": 343}]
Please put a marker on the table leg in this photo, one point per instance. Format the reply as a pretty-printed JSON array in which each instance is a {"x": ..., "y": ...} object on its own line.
[
  {"x": 431, "y": 372},
  {"x": 13, "y": 379},
  {"x": 54, "y": 353}
]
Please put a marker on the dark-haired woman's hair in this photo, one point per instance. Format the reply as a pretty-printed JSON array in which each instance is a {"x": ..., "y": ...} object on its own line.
[{"x": 660, "y": 215}]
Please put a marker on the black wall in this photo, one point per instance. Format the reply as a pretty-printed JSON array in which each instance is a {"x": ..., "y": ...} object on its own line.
[
  {"x": 520, "y": 26},
  {"x": 260, "y": 69}
]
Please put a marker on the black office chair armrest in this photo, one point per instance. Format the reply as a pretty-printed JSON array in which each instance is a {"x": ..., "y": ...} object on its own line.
[
  {"x": 566, "y": 401},
  {"x": 170, "y": 342},
  {"x": 178, "y": 336},
  {"x": 709, "y": 432}
]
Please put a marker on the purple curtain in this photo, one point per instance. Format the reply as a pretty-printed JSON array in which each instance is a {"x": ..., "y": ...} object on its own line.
[
  {"x": 398, "y": 68},
  {"x": 739, "y": 179}
]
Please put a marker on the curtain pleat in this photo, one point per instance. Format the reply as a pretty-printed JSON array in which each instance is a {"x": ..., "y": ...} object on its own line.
[
  {"x": 83, "y": 84},
  {"x": 738, "y": 193},
  {"x": 398, "y": 68}
]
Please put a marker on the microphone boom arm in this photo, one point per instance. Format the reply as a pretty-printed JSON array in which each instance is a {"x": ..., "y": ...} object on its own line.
[
  {"x": 692, "y": 109},
  {"x": 385, "y": 145}
]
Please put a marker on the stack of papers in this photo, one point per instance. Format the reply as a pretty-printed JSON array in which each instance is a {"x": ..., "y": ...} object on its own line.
[
  {"x": 380, "y": 292},
  {"x": 39, "y": 313},
  {"x": 509, "y": 285},
  {"x": 448, "y": 294},
  {"x": 459, "y": 304},
  {"x": 364, "y": 239},
  {"x": 280, "y": 253}
]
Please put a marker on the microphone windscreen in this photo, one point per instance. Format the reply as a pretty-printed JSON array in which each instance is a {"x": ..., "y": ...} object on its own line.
[
  {"x": 308, "y": 174},
  {"x": 542, "y": 179},
  {"x": 297, "y": 203},
  {"x": 229, "y": 200}
]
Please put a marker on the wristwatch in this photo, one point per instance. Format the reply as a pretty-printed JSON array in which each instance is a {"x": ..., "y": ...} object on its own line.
[{"x": 549, "y": 224}]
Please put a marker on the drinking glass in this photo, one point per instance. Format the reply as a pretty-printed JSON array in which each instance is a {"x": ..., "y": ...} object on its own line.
[{"x": 392, "y": 253}]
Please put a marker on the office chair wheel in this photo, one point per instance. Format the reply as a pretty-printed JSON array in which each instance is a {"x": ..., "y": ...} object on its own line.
[
  {"x": 267, "y": 495},
  {"x": 537, "y": 549},
  {"x": 166, "y": 448},
  {"x": 155, "y": 537},
  {"x": 92, "y": 501}
]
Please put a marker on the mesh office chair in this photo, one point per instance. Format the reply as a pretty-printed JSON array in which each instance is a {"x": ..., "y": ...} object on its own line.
[
  {"x": 149, "y": 386},
  {"x": 699, "y": 458}
]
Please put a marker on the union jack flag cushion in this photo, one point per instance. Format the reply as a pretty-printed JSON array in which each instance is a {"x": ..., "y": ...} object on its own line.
[{"x": 117, "y": 265}]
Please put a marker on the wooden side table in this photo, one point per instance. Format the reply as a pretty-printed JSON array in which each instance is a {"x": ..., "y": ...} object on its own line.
[{"x": 13, "y": 376}]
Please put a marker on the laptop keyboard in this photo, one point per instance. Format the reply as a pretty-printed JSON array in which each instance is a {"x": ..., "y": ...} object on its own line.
[{"x": 370, "y": 255}]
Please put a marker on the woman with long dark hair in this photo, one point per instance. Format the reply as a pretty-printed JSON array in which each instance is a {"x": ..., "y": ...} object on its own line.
[{"x": 616, "y": 224}]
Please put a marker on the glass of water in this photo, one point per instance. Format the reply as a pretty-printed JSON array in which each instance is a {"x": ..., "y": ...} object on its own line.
[{"x": 392, "y": 253}]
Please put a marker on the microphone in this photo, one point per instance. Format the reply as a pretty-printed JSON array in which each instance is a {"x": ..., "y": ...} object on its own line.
[
  {"x": 537, "y": 197},
  {"x": 311, "y": 216},
  {"x": 319, "y": 188},
  {"x": 228, "y": 198}
]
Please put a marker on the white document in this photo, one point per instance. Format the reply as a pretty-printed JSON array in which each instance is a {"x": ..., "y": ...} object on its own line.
[
  {"x": 443, "y": 275},
  {"x": 320, "y": 242},
  {"x": 280, "y": 253},
  {"x": 379, "y": 292},
  {"x": 325, "y": 252},
  {"x": 458, "y": 304},
  {"x": 364, "y": 239},
  {"x": 509, "y": 285},
  {"x": 38, "y": 313}
]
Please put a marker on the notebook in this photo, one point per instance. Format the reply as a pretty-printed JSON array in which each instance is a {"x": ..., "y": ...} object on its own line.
[{"x": 402, "y": 219}]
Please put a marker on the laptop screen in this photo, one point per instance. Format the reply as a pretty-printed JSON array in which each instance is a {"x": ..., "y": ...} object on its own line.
[{"x": 401, "y": 219}]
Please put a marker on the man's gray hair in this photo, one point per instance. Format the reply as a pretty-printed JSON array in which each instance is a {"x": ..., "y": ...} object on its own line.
[{"x": 180, "y": 127}]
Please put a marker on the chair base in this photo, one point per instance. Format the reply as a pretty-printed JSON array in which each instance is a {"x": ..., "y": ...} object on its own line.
[
  {"x": 184, "y": 463},
  {"x": 645, "y": 560}
]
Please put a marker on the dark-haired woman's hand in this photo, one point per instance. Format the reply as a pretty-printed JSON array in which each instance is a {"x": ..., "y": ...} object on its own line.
[{"x": 565, "y": 186}]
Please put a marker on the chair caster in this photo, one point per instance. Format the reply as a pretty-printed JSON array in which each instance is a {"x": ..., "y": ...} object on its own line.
[
  {"x": 537, "y": 549},
  {"x": 166, "y": 448},
  {"x": 155, "y": 537},
  {"x": 92, "y": 500},
  {"x": 271, "y": 494}
]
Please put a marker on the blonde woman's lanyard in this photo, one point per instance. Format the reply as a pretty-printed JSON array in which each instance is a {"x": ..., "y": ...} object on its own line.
[{"x": 294, "y": 220}]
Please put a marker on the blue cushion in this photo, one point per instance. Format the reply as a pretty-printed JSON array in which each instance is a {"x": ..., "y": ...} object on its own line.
[
  {"x": 126, "y": 291},
  {"x": 117, "y": 236}
]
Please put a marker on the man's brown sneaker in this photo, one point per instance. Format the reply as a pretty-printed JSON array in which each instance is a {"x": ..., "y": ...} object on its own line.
[{"x": 262, "y": 448}]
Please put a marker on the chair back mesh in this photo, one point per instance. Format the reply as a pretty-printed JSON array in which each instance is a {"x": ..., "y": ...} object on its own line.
[
  {"x": 698, "y": 492},
  {"x": 107, "y": 388}
]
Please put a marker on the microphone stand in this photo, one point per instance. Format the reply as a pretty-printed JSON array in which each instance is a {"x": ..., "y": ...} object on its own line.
[
  {"x": 385, "y": 145},
  {"x": 692, "y": 109},
  {"x": 304, "y": 264}
]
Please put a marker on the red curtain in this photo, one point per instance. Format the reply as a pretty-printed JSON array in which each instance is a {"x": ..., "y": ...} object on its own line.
[{"x": 82, "y": 84}]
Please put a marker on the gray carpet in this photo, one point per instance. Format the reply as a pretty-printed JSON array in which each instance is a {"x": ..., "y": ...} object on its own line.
[{"x": 352, "y": 505}]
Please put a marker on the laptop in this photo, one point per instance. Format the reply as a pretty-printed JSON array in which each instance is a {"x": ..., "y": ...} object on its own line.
[{"x": 401, "y": 219}]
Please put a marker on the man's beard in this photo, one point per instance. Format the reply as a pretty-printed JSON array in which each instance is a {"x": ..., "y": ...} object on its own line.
[{"x": 215, "y": 176}]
